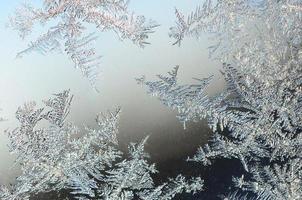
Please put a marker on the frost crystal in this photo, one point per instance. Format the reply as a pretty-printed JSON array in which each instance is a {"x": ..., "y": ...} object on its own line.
[
  {"x": 55, "y": 156},
  {"x": 258, "y": 118},
  {"x": 259, "y": 35},
  {"x": 188, "y": 100},
  {"x": 71, "y": 19}
]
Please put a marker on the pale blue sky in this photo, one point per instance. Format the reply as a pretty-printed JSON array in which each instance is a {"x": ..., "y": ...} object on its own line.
[{"x": 36, "y": 77}]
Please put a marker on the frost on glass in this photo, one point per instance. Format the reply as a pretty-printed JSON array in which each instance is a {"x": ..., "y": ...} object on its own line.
[
  {"x": 54, "y": 155},
  {"x": 258, "y": 35},
  {"x": 257, "y": 118},
  {"x": 65, "y": 23}
]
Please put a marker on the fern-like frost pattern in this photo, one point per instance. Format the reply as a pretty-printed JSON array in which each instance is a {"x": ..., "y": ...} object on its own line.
[{"x": 69, "y": 33}]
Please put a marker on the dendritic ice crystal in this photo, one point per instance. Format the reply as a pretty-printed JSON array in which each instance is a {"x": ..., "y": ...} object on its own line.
[
  {"x": 56, "y": 155},
  {"x": 257, "y": 118},
  {"x": 66, "y": 21}
]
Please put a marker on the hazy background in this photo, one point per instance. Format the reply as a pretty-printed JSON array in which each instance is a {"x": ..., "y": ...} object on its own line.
[{"x": 36, "y": 77}]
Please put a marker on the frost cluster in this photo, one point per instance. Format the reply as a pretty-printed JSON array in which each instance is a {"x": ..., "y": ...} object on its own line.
[
  {"x": 54, "y": 155},
  {"x": 65, "y": 22},
  {"x": 257, "y": 118}
]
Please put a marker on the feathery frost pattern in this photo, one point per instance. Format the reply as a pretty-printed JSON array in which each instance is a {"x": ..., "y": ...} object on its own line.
[
  {"x": 58, "y": 156},
  {"x": 258, "y": 35},
  {"x": 72, "y": 18},
  {"x": 186, "y": 99},
  {"x": 257, "y": 120}
]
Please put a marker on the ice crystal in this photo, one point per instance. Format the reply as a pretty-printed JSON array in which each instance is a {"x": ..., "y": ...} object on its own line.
[
  {"x": 71, "y": 19},
  {"x": 276, "y": 181},
  {"x": 51, "y": 157},
  {"x": 135, "y": 175},
  {"x": 257, "y": 119},
  {"x": 186, "y": 99},
  {"x": 57, "y": 156},
  {"x": 236, "y": 196},
  {"x": 258, "y": 35}
]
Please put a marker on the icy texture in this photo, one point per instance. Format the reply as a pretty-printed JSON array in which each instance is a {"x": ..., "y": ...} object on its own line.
[
  {"x": 258, "y": 35},
  {"x": 257, "y": 119},
  {"x": 189, "y": 100},
  {"x": 55, "y": 156},
  {"x": 65, "y": 22}
]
